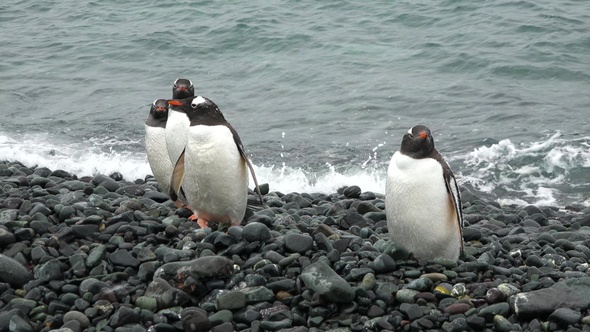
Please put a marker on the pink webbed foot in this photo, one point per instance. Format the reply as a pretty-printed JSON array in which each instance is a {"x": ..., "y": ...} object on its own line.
[{"x": 202, "y": 222}]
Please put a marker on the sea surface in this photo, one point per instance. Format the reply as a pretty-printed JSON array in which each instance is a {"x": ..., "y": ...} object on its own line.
[{"x": 321, "y": 93}]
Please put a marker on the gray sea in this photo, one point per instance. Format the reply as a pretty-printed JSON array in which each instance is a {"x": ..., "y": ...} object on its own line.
[{"x": 320, "y": 92}]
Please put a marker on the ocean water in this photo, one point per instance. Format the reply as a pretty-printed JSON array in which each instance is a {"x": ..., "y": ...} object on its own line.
[{"x": 320, "y": 93}]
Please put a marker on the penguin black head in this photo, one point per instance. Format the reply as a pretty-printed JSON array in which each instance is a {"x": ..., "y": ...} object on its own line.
[
  {"x": 183, "y": 88},
  {"x": 200, "y": 110},
  {"x": 159, "y": 109},
  {"x": 418, "y": 142}
]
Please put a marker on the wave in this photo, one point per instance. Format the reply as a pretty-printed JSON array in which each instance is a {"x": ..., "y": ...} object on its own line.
[
  {"x": 549, "y": 172},
  {"x": 553, "y": 172}
]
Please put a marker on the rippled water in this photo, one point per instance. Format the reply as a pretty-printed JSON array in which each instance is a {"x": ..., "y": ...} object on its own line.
[{"x": 320, "y": 93}]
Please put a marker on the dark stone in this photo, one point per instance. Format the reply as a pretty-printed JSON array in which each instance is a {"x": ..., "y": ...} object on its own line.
[
  {"x": 323, "y": 280},
  {"x": 6, "y": 238},
  {"x": 300, "y": 243},
  {"x": 471, "y": 234},
  {"x": 411, "y": 310},
  {"x": 122, "y": 257},
  {"x": 106, "y": 182},
  {"x": 383, "y": 264},
  {"x": 12, "y": 203},
  {"x": 51, "y": 270},
  {"x": 166, "y": 295},
  {"x": 352, "y": 219},
  {"x": 572, "y": 293},
  {"x": 565, "y": 316},
  {"x": 352, "y": 192},
  {"x": 122, "y": 316},
  {"x": 195, "y": 319},
  {"x": 156, "y": 196},
  {"x": 60, "y": 174}
]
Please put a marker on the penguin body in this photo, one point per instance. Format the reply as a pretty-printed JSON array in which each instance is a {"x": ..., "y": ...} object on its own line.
[
  {"x": 178, "y": 122},
  {"x": 212, "y": 168},
  {"x": 423, "y": 203},
  {"x": 155, "y": 144}
]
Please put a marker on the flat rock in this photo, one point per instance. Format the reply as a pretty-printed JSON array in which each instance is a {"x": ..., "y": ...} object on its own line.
[
  {"x": 323, "y": 280},
  {"x": 573, "y": 294}
]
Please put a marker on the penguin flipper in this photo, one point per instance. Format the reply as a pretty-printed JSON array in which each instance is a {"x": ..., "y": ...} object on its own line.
[
  {"x": 243, "y": 154},
  {"x": 240, "y": 146},
  {"x": 177, "y": 177},
  {"x": 455, "y": 196}
]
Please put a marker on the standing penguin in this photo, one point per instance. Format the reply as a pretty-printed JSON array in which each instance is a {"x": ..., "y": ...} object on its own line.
[
  {"x": 423, "y": 203},
  {"x": 155, "y": 134},
  {"x": 211, "y": 170},
  {"x": 155, "y": 144},
  {"x": 178, "y": 122}
]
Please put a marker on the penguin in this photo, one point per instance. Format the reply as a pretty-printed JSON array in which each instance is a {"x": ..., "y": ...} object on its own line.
[
  {"x": 423, "y": 202},
  {"x": 155, "y": 135},
  {"x": 178, "y": 122},
  {"x": 212, "y": 167},
  {"x": 155, "y": 144},
  {"x": 182, "y": 88}
]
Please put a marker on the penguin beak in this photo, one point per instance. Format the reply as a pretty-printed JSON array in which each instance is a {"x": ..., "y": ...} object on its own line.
[
  {"x": 423, "y": 135},
  {"x": 174, "y": 102}
]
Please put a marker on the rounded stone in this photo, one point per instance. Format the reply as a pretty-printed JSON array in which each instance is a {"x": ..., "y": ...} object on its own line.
[
  {"x": 255, "y": 231},
  {"x": 195, "y": 319},
  {"x": 77, "y": 316},
  {"x": 299, "y": 243},
  {"x": 12, "y": 272}
]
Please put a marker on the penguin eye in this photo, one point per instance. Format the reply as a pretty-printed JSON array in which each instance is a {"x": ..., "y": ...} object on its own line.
[{"x": 193, "y": 105}]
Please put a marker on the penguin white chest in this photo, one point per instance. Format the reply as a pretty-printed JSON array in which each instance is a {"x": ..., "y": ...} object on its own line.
[
  {"x": 216, "y": 178},
  {"x": 420, "y": 214},
  {"x": 157, "y": 154},
  {"x": 177, "y": 127}
]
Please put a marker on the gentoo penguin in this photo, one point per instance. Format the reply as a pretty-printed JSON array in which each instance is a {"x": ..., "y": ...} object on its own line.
[
  {"x": 182, "y": 88},
  {"x": 155, "y": 135},
  {"x": 211, "y": 170},
  {"x": 155, "y": 144},
  {"x": 178, "y": 122},
  {"x": 423, "y": 203}
]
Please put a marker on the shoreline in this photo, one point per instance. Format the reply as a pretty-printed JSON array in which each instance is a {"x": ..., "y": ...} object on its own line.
[{"x": 101, "y": 253}]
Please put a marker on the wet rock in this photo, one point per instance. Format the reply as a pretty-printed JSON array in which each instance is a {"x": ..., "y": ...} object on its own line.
[
  {"x": 200, "y": 268},
  {"x": 323, "y": 280},
  {"x": 256, "y": 231},
  {"x": 13, "y": 272},
  {"x": 299, "y": 243},
  {"x": 166, "y": 295},
  {"x": 195, "y": 319},
  {"x": 565, "y": 316},
  {"x": 573, "y": 294}
]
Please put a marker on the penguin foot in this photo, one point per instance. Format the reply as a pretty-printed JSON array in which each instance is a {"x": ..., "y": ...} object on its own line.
[{"x": 203, "y": 223}]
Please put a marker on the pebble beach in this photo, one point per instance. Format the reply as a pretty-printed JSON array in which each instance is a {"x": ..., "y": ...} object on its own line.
[{"x": 102, "y": 253}]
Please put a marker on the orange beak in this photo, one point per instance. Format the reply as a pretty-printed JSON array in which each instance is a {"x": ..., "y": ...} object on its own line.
[
  {"x": 174, "y": 102},
  {"x": 423, "y": 135}
]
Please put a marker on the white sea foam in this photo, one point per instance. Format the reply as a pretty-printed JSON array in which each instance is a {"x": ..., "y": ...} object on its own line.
[
  {"x": 286, "y": 179},
  {"x": 529, "y": 173},
  {"x": 81, "y": 159},
  {"x": 96, "y": 157},
  {"x": 552, "y": 172}
]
